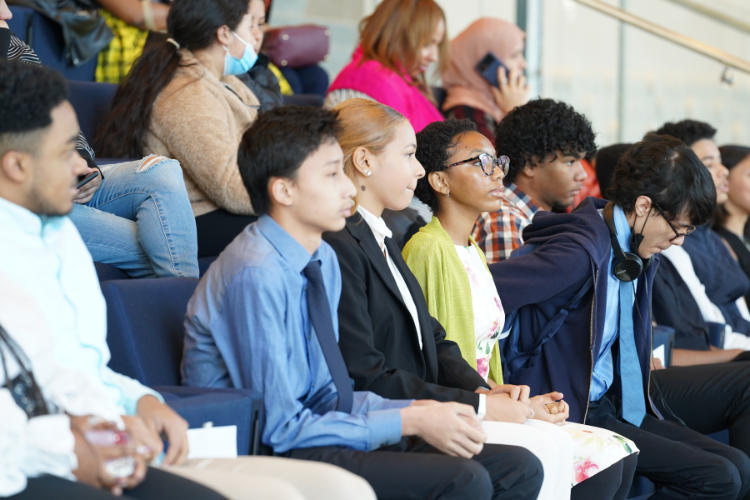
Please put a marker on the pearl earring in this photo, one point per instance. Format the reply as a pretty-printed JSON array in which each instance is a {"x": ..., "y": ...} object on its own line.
[
  {"x": 368, "y": 173},
  {"x": 448, "y": 194}
]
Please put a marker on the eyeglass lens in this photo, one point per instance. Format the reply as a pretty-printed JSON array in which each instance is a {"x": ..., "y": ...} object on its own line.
[{"x": 489, "y": 164}]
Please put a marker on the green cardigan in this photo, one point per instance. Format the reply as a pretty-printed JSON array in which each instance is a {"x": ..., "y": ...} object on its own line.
[{"x": 432, "y": 257}]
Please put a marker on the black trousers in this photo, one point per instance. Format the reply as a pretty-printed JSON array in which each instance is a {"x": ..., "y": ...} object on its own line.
[
  {"x": 708, "y": 398},
  {"x": 413, "y": 469},
  {"x": 683, "y": 463},
  {"x": 613, "y": 483},
  {"x": 158, "y": 485},
  {"x": 217, "y": 229}
]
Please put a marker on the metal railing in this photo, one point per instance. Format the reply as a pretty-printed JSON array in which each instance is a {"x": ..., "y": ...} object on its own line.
[
  {"x": 714, "y": 14},
  {"x": 689, "y": 43}
]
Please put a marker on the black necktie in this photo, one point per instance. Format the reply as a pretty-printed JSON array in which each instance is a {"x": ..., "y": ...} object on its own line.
[{"x": 319, "y": 311}]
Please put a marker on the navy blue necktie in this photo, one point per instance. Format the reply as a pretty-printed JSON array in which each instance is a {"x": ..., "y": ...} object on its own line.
[{"x": 319, "y": 311}]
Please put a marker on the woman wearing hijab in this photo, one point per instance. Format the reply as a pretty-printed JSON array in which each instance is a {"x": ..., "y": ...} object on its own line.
[{"x": 469, "y": 95}]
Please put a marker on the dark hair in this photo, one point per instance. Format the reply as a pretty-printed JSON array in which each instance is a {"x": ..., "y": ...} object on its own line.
[
  {"x": 28, "y": 94},
  {"x": 731, "y": 156},
  {"x": 663, "y": 168},
  {"x": 192, "y": 24},
  {"x": 278, "y": 143},
  {"x": 606, "y": 161},
  {"x": 541, "y": 127},
  {"x": 434, "y": 146},
  {"x": 688, "y": 131}
]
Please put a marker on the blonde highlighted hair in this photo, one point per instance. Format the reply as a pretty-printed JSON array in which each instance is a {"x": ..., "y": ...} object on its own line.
[
  {"x": 365, "y": 124},
  {"x": 394, "y": 34}
]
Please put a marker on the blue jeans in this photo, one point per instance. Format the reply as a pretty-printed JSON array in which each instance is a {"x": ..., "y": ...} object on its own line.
[{"x": 140, "y": 220}]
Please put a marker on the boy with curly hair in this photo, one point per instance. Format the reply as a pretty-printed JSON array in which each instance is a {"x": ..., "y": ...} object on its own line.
[{"x": 545, "y": 141}]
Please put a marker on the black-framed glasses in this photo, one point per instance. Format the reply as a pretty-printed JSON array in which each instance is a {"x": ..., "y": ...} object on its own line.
[
  {"x": 677, "y": 234},
  {"x": 488, "y": 163}
]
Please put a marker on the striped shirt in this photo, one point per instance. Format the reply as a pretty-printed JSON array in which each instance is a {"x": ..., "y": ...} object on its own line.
[
  {"x": 499, "y": 233},
  {"x": 19, "y": 51}
]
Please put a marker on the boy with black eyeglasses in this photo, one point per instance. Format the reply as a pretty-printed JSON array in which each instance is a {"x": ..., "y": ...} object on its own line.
[{"x": 580, "y": 293}]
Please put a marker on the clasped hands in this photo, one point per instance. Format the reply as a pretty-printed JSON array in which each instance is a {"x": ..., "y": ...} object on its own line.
[
  {"x": 142, "y": 440},
  {"x": 511, "y": 403}
]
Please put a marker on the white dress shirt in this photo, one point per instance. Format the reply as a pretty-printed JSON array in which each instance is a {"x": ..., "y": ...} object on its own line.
[
  {"x": 44, "y": 444},
  {"x": 46, "y": 257},
  {"x": 381, "y": 232}
]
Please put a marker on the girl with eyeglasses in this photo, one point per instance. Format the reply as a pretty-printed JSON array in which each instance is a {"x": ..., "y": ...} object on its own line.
[{"x": 464, "y": 179}]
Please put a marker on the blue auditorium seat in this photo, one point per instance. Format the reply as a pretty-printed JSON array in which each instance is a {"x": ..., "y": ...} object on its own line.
[
  {"x": 204, "y": 263},
  {"x": 105, "y": 272},
  {"x": 440, "y": 95},
  {"x": 307, "y": 79},
  {"x": 145, "y": 335},
  {"x": 21, "y": 21},
  {"x": 92, "y": 102},
  {"x": 46, "y": 38},
  {"x": 664, "y": 336},
  {"x": 304, "y": 100}
]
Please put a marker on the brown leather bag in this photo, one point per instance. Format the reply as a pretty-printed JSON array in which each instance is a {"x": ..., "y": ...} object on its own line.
[{"x": 297, "y": 46}]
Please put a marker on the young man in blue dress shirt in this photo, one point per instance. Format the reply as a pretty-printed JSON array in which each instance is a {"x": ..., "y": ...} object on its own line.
[{"x": 265, "y": 318}]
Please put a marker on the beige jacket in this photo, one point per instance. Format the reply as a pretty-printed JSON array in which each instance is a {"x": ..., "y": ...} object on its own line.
[{"x": 198, "y": 121}]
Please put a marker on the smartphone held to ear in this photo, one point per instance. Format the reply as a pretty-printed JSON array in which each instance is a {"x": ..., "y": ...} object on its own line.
[
  {"x": 82, "y": 182},
  {"x": 488, "y": 67}
]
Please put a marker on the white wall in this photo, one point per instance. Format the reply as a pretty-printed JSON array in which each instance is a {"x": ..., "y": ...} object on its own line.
[{"x": 580, "y": 59}]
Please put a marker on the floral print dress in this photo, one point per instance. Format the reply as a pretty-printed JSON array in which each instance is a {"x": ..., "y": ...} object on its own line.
[
  {"x": 489, "y": 316},
  {"x": 594, "y": 448}
]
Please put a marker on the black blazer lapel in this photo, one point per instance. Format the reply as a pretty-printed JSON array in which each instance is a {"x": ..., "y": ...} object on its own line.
[
  {"x": 425, "y": 320},
  {"x": 363, "y": 234}
]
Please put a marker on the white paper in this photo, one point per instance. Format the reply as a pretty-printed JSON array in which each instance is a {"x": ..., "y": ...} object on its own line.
[
  {"x": 660, "y": 354},
  {"x": 213, "y": 442}
]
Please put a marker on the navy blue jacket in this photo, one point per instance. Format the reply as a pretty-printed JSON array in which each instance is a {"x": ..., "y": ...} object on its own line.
[
  {"x": 724, "y": 279},
  {"x": 552, "y": 348}
]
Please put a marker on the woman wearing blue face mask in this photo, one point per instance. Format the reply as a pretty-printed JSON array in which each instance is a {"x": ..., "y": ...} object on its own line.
[{"x": 182, "y": 100}]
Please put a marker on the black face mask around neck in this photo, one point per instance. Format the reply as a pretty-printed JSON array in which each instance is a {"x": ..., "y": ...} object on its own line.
[{"x": 4, "y": 43}]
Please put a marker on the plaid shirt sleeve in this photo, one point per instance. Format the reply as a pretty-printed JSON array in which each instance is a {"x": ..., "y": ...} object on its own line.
[
  {"x": 499, "y": 233},
  {"x": 118, "y": 57}
]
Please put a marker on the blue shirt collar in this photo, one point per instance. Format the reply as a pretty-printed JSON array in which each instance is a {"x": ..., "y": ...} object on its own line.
[
  {"x": 290, "y": 249},
  {"x": 16, "y": 217},
  {"x": 623, "y": 230}
]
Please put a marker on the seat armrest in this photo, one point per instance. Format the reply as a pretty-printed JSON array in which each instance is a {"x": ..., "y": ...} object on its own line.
[{"x": 221, "y": 407}]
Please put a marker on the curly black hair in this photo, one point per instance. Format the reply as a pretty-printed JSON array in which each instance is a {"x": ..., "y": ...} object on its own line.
[
  {"x": 278, "y": 143},
  {"x": 542, "y": 126},
  {"x": 688, "y": 131},
  {"x": 435, "y": 145},
  {"x": 663, "y": 168},
  {"x": 28, "y": 94}
]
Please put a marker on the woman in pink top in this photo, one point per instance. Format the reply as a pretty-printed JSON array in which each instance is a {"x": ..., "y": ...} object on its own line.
[{"x": 399, "y": 41}]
